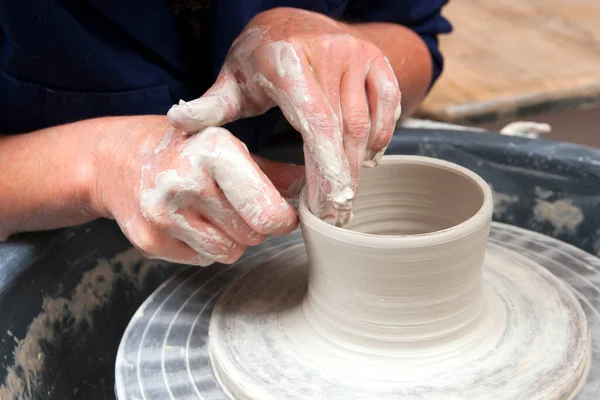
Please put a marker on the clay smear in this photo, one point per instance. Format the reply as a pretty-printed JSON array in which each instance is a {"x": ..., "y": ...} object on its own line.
[
  {"x": 75, "y": 311},
  {"x": 561, "y": 214},
  {"x": 502, "y": 202}
]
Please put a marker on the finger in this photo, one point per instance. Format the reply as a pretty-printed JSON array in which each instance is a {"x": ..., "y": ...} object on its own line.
[
  {"x": 199, "y": 193},
  {"x": 205, "y": 238},
  {"x": 245, "y": 186},
  {"x": 355, "y": 117},
  {"x": 154, "y": 244},
  {"x": 385, "y": 107},
  {"x": 288, "y": 179},
  {"x": 329, "y": 75},
  {"x": 212, "y": 205},
  {"x": 289, "y": 81},
  {"x": 222, "y": 103}
]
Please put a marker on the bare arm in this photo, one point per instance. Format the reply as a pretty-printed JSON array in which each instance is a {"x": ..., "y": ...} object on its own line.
[
  {"x": 46, "y": 176},
  {"x": 175, "y": 196}
]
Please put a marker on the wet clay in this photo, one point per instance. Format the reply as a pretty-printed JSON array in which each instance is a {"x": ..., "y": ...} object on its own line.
[{"x": 408, "y": 301}]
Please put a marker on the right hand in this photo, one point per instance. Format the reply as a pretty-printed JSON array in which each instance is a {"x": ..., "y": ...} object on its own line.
[
  {"x": 191, "y": 199},
  {"x": 331, "y": 83}
]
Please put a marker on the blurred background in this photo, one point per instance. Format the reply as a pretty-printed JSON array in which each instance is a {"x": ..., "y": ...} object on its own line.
[{"x": 521, "y": 60}]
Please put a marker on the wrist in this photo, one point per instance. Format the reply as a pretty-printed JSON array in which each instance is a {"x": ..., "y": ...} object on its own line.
[
  {"x": 92, "y": 160},
  {"x": 119, "y": 147}
]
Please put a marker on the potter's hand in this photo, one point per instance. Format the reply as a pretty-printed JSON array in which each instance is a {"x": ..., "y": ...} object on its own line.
[
  {"x": 193, "y": 199},
  {"x": 337, "y": 90}
]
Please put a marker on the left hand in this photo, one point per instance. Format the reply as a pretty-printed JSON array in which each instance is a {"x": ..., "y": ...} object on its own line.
[{"x": 338, "y": 90}]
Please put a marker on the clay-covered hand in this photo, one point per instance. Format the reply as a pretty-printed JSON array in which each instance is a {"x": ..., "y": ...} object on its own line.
[
  {"x": 337, "y": 90},
  {"x": 191, "y": 199}
]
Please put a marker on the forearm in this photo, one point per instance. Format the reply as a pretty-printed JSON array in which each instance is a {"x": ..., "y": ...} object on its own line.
[
  {"x": 46, "y": 176},
  {"x": 408, "y": 55}
]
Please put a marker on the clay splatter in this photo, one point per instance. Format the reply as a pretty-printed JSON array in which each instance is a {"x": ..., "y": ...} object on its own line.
[
  {"x": 501, "y": 202},
  {"x": 561, "y": 214},
  {"x": 543, "y": 194},
  {"x": 90, "y": 294}
]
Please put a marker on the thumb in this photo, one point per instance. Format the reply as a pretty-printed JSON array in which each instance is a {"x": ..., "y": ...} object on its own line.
[
  {"x": 219, "y": 105},
  {"x": 288, "y": 179}
]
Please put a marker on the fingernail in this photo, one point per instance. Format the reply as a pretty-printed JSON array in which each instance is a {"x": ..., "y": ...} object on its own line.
[
  {"x": 369, "y": 163},
  {"x": 378, "y": 155},
  {"x": 375, "y": 159},
  {"x": 178, "y": 118}
]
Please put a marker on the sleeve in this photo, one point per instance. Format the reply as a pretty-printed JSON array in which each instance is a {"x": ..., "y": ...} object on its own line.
[{"x": 422, "y": 16}]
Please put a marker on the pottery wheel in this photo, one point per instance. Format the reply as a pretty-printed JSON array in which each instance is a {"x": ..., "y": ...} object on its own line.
[{"x": 258, "y": 339}]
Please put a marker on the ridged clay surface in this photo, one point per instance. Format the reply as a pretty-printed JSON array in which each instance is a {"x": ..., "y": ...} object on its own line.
[{"x": 409, "y": 300}]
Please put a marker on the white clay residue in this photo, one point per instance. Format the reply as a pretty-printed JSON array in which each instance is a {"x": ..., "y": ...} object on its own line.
[
  {"x": 561, "y": 214},
  {"x": 386, "y": 91},
  {"x": 526, "y": 129},
  {"x": 73, "y": 312},
  {"x": 242, "y": 184},
  {"x": 501, "y": 203},
  {"x": 208, "y": 110},
  {"x": 542, "y": 193},
  {"x": 217, "y": 179},
  {"x": 321, "y": 147},
  {"x": 287, "y": 84},
  {"x": 162, "y": 199},
  {"x": 164, "y": 142}
]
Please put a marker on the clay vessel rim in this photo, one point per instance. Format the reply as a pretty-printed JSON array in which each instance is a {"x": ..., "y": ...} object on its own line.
[{"x": 481, "y": 217}]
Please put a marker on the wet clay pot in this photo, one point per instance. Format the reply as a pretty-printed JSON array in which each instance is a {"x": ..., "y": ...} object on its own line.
[
  {"x": 409, "y": 300},
  {"x": 406, "y": 272}
]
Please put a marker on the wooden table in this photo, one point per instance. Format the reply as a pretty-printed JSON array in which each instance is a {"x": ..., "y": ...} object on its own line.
[{"x": 509, "y": 58}]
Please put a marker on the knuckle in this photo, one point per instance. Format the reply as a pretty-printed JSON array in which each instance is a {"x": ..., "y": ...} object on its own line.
[
  {"x": 213, "y": 245},
  {"x": 389, "y": 92},
  {"x": 145, "y": 241},
  {"x": 348, "y": 40},
  {"x": 357, "y": 125},
  {"x": 327, "y": 42},
  {"x": 326, "y": 122},
  {"x": 279, "y": 219},
  {"x": 321, "y": 120},
  {"x": 245, "y": 235},
  {"x": 262, "y": 222},
  {"x": 382, "y": 139},
  {"x": 382, "y": 135},
  {"x": 293, "y": 43},
  {"x": 266, "y": 221},
  {"x": 254, "y": 238},
  {"x": 371, "y": 50},
  {"x": 155, "y": 214}
]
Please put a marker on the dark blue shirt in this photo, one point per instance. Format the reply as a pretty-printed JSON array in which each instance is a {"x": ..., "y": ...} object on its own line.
[{"x": 63, "y": 61}]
